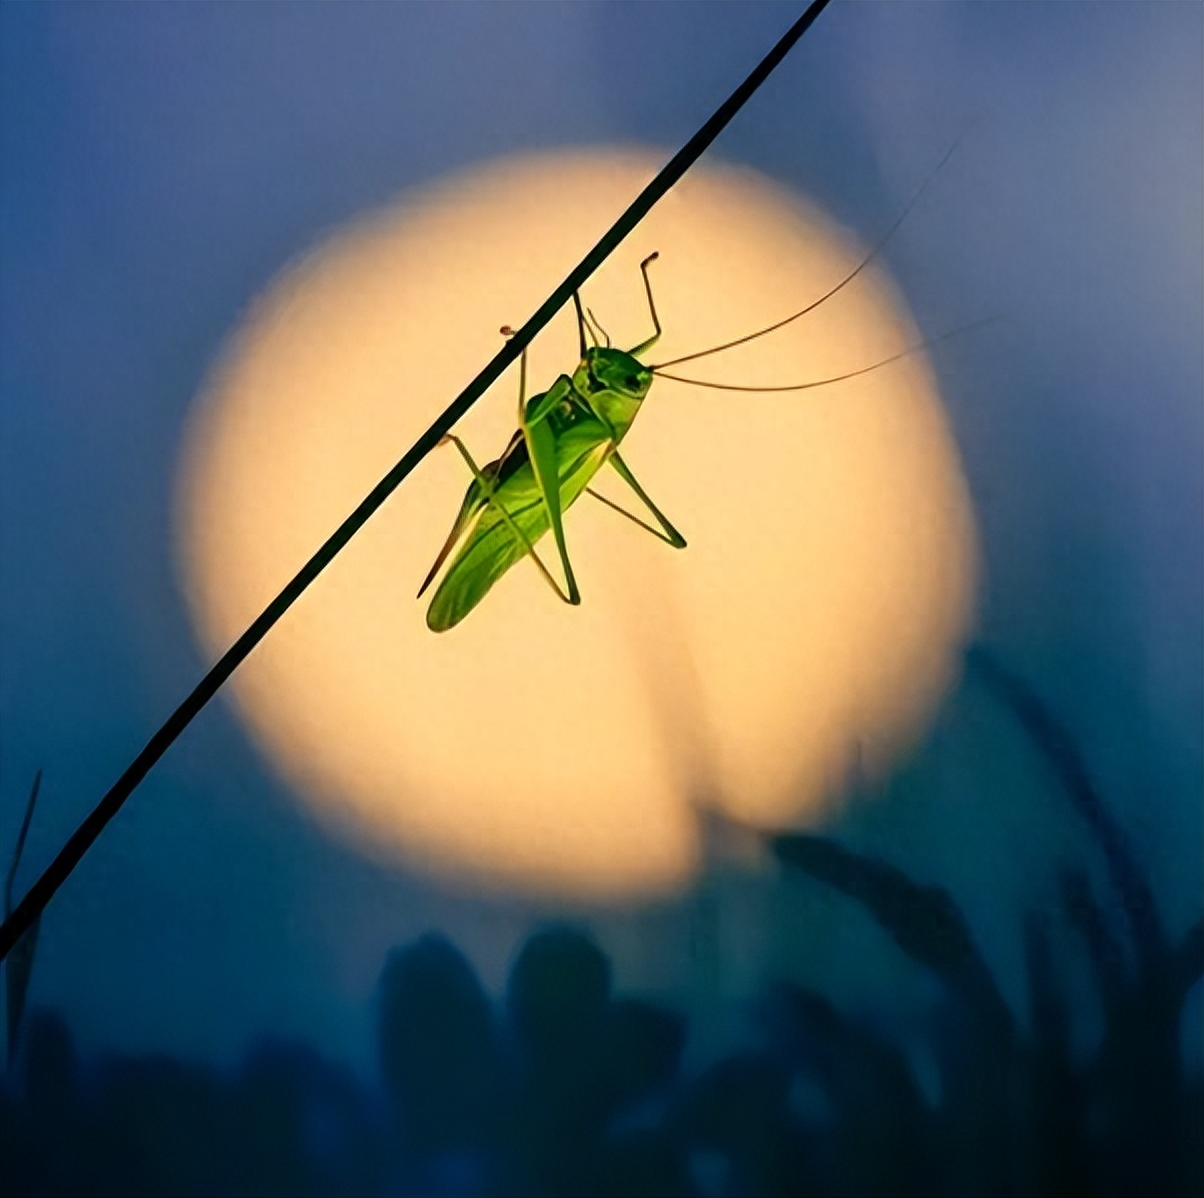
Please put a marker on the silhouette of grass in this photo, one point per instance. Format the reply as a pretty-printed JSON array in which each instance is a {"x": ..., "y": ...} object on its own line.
[
  {"x": 923, "y": 920},
  {"x": 566, "y": 1088},
  {"x": 1120, "y": 1124}
]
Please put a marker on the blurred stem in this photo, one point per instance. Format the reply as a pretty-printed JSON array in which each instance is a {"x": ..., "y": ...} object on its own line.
[
  {"x": 1187, "y": 963},
  {"x": 20, "y": 848},
  {"x": 19, "y": 965},
  {"x": 86, "y": 834},
  {"x": 1059, "y": 749}
]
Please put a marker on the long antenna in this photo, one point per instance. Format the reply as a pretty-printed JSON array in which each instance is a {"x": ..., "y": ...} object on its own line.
[
  {"x": 85, "y": 835},
  {"x": 838, "y": 378},
  {"x": 773, "y": 328}
]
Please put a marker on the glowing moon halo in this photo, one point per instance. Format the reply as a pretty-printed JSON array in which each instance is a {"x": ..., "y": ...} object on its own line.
[{"x": 827, "y": 584}]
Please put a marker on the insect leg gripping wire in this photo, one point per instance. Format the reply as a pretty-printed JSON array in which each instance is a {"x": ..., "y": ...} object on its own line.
[{"x": 656, "y": 324}]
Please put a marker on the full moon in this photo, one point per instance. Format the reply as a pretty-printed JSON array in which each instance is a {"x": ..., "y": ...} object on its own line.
[{"x": 815, "y": 617}]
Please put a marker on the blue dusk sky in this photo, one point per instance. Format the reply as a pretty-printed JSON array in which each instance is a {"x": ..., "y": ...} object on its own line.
[{"x": 160, "y": 163}]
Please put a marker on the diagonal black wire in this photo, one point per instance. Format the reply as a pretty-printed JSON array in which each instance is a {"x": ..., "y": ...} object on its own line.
[{"x": 41, "y": 892}]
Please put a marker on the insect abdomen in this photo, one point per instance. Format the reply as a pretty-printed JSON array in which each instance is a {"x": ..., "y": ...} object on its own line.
[{"x": 491, "y": 548}]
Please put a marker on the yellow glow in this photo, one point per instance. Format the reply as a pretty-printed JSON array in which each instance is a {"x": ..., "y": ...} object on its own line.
[{"x": 818, "y": 608}]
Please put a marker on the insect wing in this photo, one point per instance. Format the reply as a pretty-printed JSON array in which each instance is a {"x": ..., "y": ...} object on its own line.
[
  {"x": 473, "y": 503},
  {"x": 490, "y": 550},
  {"x": 475, "y": 500}
]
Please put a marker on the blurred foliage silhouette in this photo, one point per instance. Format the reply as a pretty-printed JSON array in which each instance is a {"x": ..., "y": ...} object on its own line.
[{"x": 568, "y": 1089}]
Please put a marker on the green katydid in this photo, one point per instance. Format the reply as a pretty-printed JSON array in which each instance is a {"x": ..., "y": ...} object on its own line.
[{"x": 566, "y": 435}]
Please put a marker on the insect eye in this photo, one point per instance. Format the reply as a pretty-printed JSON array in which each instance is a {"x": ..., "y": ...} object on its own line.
[{"x": 632, "y": 381}]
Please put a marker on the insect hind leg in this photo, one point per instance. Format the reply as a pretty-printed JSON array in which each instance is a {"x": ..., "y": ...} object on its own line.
[{"x": 487, "y": 487}]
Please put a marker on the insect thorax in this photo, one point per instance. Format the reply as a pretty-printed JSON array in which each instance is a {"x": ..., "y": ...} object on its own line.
[{"x": 614, "y": 384}]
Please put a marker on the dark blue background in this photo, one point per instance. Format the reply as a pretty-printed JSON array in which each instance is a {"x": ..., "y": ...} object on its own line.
[{"x": 161, "y": 162}]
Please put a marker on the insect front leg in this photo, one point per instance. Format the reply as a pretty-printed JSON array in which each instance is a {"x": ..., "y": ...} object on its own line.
[
  {"x": 656, "y": 324},
  {"x": 581, "y": 326}
]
